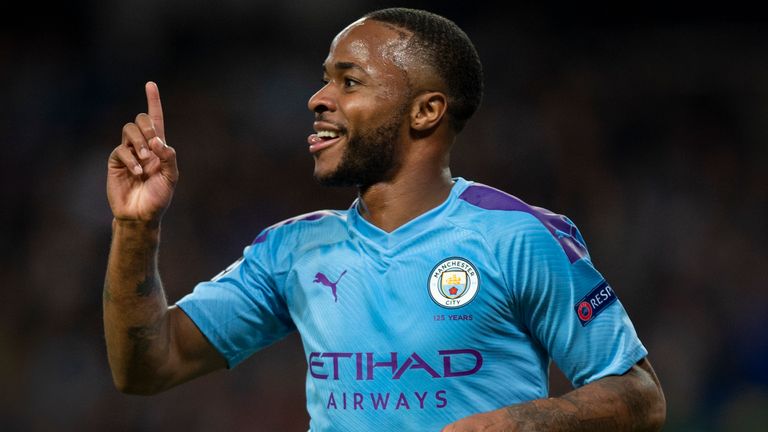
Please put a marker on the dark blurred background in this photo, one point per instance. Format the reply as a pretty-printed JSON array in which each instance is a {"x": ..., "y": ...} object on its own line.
[{"x": 646, "y": 129}]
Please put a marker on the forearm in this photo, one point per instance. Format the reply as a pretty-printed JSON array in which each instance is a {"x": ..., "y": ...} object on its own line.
[
  {"x": 136, "y": 324},
  {"x": 630, "y": 402}
]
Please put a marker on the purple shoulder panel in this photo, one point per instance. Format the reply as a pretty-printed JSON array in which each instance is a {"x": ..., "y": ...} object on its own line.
[
  {"x": 559, "y": 226},
  {"x": 306, "y": 217}
]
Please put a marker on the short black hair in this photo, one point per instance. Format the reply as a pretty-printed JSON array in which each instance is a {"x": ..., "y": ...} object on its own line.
[{"x": 444, "y": 47}]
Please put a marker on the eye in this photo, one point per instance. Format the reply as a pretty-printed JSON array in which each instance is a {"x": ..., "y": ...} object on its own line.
[{"x": 349, "y": 82}]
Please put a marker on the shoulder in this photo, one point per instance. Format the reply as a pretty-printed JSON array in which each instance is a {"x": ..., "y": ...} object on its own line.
[
  {"x": 315, "y": 225},
  {"x": 488, "y": 202},
  {"x": 501, "y": 214},
  {"x": 489, "y": 198}
]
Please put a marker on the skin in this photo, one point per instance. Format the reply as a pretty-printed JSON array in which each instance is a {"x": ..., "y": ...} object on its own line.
[
  {"x": 633, "y": 401},
  {"x": 372, "y": 84},
  {"x": 366, "y": 96},
  {"x": 150, "y": 346}
]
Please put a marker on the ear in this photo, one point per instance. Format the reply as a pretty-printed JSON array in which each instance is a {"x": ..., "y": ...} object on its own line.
[{"x": 427, "y": 110}]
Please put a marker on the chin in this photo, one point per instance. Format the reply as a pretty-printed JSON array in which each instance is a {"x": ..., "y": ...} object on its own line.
[
  {"x": 325, "y": 177},
  {"x": 333, "y": 178},
  {"x": 323, "y": 171},
  {"x": 330, "y": 180}
]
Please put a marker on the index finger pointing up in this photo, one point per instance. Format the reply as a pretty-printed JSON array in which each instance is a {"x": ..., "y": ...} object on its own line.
[{"x": 155, "y": 108}]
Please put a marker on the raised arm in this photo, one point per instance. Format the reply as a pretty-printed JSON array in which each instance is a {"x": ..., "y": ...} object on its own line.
[
  {"x": 633, "y": 401},
  {"x": 150, "y": 346}
]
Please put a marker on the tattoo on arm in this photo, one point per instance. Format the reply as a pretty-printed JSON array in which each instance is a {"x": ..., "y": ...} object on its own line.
[
  {"x": 142, "y": 337},
  {"x": 630, "y": 400},
  {"x": 572, "y": 417},
  {"x": 146, "y": 287},
  {"x": 614, "y": 403}
]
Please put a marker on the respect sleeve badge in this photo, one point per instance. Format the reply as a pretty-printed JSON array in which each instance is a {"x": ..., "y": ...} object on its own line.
[{"x": 592, "y": 304}]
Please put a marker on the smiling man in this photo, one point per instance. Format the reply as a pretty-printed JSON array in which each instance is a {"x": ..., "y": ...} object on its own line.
[{"x": 432, "y": 303}]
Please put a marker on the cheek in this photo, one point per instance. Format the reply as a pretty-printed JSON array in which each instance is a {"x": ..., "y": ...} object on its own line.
[
  {"x": 372, "y": 112},
  {"x": 361, "y": 110},
  {"x": 392, "y": 88}
]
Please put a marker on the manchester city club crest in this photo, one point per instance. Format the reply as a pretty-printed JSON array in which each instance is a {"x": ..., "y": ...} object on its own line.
[{"x": 453, "y": 282}]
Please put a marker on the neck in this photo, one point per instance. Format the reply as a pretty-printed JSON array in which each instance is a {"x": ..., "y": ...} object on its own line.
[{"x": 391, "y": 204}]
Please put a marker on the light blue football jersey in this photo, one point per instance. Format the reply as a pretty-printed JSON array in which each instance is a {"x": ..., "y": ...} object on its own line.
[{"x": 457, "y": 312}]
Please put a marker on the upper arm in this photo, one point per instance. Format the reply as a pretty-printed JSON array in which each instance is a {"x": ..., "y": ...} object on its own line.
[
  {"x": 630, "y": 400},
  {"x": 570, "y": 309},
  {"x": 643, "y": 371},
  {"x": 190, "y": 354},
  {"x": 220, "y": 323},
  {"x": 634, "y": 397},
  {"x": 647, "y": 375},
  {"x": 238, "y": 312}
]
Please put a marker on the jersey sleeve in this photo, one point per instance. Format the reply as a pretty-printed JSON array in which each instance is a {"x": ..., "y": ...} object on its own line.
[
  {"x": 568, "y": 306},
  {"x": 240, "y": 310}
]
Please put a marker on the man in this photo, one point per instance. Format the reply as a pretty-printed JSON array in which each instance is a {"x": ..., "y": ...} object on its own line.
[{"x": 433, "y": 303}]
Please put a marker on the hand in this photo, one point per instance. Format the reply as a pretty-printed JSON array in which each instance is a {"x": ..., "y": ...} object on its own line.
[
  {"x": 142, "y": 172},
  {"x": 493, "y": 421}
]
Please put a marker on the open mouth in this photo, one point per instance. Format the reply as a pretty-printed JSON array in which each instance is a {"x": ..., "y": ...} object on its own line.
[{"x": 323, "y": 139}]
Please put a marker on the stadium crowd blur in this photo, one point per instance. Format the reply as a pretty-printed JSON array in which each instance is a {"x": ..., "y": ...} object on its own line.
[{"x": 649, "y": 133}]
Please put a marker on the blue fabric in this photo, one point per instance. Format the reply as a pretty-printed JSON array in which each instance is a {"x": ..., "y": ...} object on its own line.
[{"x": 459, "y": 311}]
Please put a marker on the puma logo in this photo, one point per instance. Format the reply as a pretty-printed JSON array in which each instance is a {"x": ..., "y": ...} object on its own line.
[{"x": 323, "y": 279}]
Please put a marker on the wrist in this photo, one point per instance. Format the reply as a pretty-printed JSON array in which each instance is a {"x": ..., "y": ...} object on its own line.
[{"x": 135, "y": 226}]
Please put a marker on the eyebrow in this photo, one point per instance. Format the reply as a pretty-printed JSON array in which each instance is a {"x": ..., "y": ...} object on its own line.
[{"x": 344, "y": 66}]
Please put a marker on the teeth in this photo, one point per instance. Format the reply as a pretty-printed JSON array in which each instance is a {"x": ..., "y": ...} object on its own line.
[{"x": 328, "y": 134}]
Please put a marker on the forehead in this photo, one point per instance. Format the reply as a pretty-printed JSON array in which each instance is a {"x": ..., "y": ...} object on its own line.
[{"x": 371, "y": 45}]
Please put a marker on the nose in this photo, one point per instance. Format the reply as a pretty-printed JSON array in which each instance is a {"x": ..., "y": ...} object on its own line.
[{"x": 323, "y": 100}]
